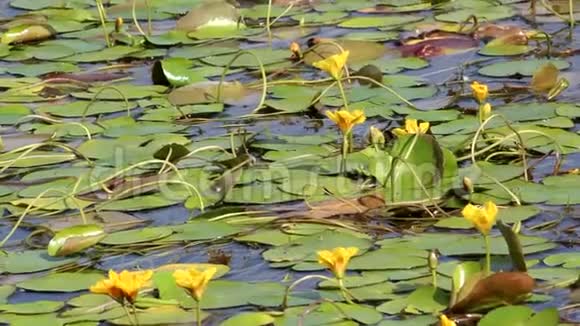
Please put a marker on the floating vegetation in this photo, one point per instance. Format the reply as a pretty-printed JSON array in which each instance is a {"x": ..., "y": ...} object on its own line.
[{"x": 325, "y": 162}]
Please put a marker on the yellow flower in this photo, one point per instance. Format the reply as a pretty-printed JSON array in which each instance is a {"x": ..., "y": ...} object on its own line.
[
  {"x": 122, "y": 286},
  {"x": 482, "y": 217},
  {"x": 444, "y": 321},
  {"x": 480, "y": 91},
  {"x": 334, "y": 64},
  {"x": 345, "y": 120},
  {"x": 194, "y": 281},
  {"x": 412, "y": 127},
  {"x": 337, "y": 259},
  {"x": 484, "y": 112}
]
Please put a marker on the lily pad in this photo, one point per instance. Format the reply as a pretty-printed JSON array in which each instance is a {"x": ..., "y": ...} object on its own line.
[
  {"x": 61, "y": 282},
  {"x": 519, "y": 67}
]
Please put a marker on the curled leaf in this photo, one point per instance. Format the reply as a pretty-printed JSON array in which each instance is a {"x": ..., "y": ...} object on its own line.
[
  {"x": 75, "y": 239},
  {"x": 27, "y": 33}
]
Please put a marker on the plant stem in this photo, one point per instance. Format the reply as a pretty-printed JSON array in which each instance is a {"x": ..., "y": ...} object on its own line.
[
  {"x": 198, "y": 313},
  {"x": 487, "y": 255},
  {"x": 572, "y": 18},
  {"x": 344, "y": 99},
  {"x": 343, "y": 290},
  {"x": 434, "y": 277},
  {"x": 298, "y": 281},
  {"x": 343, "y": 154},
  {"x": 103, "y": 18},
  {"x": 127, "y": 313}
]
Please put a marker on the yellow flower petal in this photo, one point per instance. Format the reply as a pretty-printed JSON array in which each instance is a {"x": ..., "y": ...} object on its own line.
[
  {"x": 337, "y": 259},
  {"x": 480, "y": 91},
  {"x": 194, "y": 281},
  {"x": 333, "y": 64},
  {"x": 444, "y": 321},
  {"x": 423, "y": 127},
  {"x": 412, "y": 126},
  {"x": 123, "y": 286},
  {"x": 400, "y": 132},
  {"x": 346, "y": 120},
  {"x": 483, "y": 218}
]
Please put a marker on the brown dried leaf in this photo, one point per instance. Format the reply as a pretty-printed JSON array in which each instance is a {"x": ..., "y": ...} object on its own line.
[
  {"x": 545, "y": 78},
  {"x": 501, "y": 287}
]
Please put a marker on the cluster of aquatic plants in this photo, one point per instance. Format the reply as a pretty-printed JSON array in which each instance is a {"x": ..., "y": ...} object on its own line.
[{"x": 157, "y": 154}]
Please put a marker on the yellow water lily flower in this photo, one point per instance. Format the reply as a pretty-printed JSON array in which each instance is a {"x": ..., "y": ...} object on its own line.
[
  {"x": 123, "y": 286},
  {"x": 484, "y": 112},
  {"x": 194, "y": 281},
  {"x": 334, "y": 64},
  {"x": 346, "y": 120},
  {"x": 480, "y": 91},
  {"x": 482, "y": 217},
  {"x": 337, "y": 259},
  {"x": 445, "y": 321},
  {"x": 412, "y": 127}
]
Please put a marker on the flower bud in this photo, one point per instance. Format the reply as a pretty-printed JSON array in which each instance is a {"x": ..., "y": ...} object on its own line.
[
  {"x": 433, "y": 260},
  {"x": 467, "y": 185},
  {"x": 295, "y": 49},
  {"x": 376, "y": 137},
  {"x": 118, "y": 24},
  {"x": 484, "y": 112}
]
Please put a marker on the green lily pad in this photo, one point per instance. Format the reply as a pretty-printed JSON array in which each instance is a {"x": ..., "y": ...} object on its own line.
[
  {"x": 61, "y": 282},
  {"x": 86, "y": 108},
  {"x": 30, "y": 261},
  {"x": 5, "y": 292},
  {"x": 567, "y": 260},
  {"x": 10, "y": 114},
  {"x": 31, "y": 70},
  {"x": 521, "y": 315},
  {"x": 519, "y": 67},
  {"x": 249, "y": 319},
  {"x": 267, "y": 56},
  {"x": 137, "y": 236},
  {"x": 162, "y": 315},
  {"x": 375, "y": 21},
  {"x": 488, "y": 13}
]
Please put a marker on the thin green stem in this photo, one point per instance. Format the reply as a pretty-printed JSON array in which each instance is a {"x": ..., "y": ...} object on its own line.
[
  {"x": 434, "y": 277},
  {"x": 343, "y": 290},
  {"x": 298, "y": 281},
  {"x": 341, "y": 88},
  {"x": 198, "y": 313},
  {"x": 135, "y": 21},
  {"x": 149, "y": 24},
  {"x": 343, "y": 154},
  {"x": 96, "y": 96},
  {"x": 572, "y": 18},
  {"x": 128, "y": 313},
  {"x": 268, "y": 17},
  {"x": 103, "y": 18},
  {"x": 487, "y": 255},
  {"x": 262, "y": 70},
  {"x": 381, "y": 85}
]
